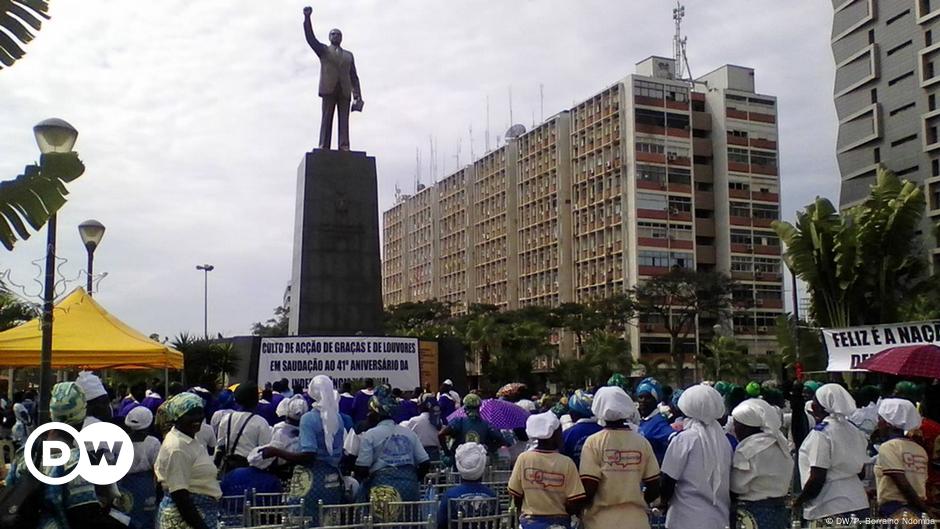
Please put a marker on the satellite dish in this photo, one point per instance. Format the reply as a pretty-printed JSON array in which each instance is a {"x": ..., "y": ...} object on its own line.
[{"x": 515, "y": 131}]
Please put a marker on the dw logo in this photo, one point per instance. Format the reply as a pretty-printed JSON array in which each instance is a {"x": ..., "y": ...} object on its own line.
[{"x": 105, "y": 452}]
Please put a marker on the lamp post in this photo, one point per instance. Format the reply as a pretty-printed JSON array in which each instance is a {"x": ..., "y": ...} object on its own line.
[
  {"x": 206, "y": 268},
  {"x": 52, "y": 136},
  {"x": 91, "y": 232}
]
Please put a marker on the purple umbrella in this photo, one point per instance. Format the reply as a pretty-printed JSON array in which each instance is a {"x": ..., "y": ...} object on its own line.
[{"x": 500, "y": 414}]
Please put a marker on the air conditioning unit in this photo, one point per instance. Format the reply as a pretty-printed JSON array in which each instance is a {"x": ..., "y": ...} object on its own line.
[
  {"x": 762, "y": 329},
  {"x": 671, "y": 156},
  {"x": 674, "y": 211}
]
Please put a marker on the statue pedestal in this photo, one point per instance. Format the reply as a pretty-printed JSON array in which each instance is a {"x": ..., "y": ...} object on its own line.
[{"x": 336, "y": 284}]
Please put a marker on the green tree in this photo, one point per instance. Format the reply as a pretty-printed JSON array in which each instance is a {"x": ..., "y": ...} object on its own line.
[
  {"x": 603, "y": 354},
  {"x": 21, "y": 19},
  {"x": 678, "y": 299},
  {"x": 14, "y": 312},
  {"x": 207, "y": 363},
  {"x": 863, "y": 264},
  {"x": 37, "y": 194},
  {"x": 724, "y": 359},
  {"x": 276, "y": 326},
  {"x": 429, "y": 320},
  {"x": 798, "y": 342}
]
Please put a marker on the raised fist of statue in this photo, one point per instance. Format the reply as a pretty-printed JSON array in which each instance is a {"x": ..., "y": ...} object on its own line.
[{"x": 308, "y": 11}]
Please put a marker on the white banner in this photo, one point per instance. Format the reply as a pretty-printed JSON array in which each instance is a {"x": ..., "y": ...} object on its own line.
[
  {"x": 386, "y": 360},
  {"x": 851, "y": 346}
]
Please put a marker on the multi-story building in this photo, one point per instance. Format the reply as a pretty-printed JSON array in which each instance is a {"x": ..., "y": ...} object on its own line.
[
  {"x": 887, "y": 81},
  {"x": 649, "y": 174}
]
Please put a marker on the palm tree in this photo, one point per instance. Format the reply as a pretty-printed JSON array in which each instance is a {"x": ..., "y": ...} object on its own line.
[
  {"x": 860, "y": 265},
  {"x": 21, "y": 19},
  {"x": 14, "y": 312}
]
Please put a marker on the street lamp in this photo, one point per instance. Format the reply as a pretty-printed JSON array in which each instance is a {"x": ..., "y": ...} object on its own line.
[
  {"x": 206, "y": 268},
  {"x": 52, "y": 136},
  {"x": 91, "y": 232}
]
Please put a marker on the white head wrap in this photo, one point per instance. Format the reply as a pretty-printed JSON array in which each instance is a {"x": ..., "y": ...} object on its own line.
[
  {"x": 324, "y": 396},
  {"x": 703, "y": 406},
  {"x": 139, "y": 418},
  {"x": 611, "y": 403},
  {"x": 760, "y": 414},
  {"x": 471, "y": 461},
  {"x": 899, "y": 413},
  {"x": 90, "y": 384},
  {"x": 22, "y": 414},
  {"x": 526, "y": 404},
  {"x": 292, "y": 408},
  {"x": 542, "y": 425},
  {"x": 836, "y": 400}
]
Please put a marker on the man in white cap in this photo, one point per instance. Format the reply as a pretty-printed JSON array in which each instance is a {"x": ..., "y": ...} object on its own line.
[
  {"x": 544, "y": 484},
  {"x": 616, "y": 465},
  {"x": 98, "y": 404},
  {"x": 471, "y": 462},
  {"x": 901, "y": 467},
  {"x": 139, "y": 483}
]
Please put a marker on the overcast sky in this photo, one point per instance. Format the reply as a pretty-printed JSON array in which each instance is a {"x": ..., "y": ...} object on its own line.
[{"x": 193, "y": 117}]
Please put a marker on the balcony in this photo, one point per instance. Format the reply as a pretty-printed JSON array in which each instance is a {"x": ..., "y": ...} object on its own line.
[
  {"x": 767, "y": 250},
  {"x": 705, "y": 254},
  {"x": 740, "y": 221},
  {"x": 651, "y": 185},
  {"x": 701, "y": 121},
  {"x": 680, "y": 188},
  {"x": 768, "y": 277},
  {"x": 741, "y": 248},
  {"x": 649, "y": 101},
  {"x": 739, "y": 167},
  {"x": 735, "y": 113},
  {"x": 770, "y": 170},
  {"x": 678, "y": 105},
  {"x": 705, "y": 227},
  {"x": 680, "y": 244},
  {"x": 739, "y": 193},
  {"x": 763, "y": 223},
  {"x": 678, "y": 133},
  {"x": 704, "y": 200},
  {"x": 765, "y": 197},
  {"x": 650, "y": 157},
  {"x": 702, "y": 146},
  {"x": 652, "y": 241},
  {"x": 653, "y": 270},
  {"x": 736, "y": 140},
  {"x": 703, "y": 172},
  {"x": 652, "y": 214},
  {"x": 650, "y": 129},
  {"x": 769, "y": 303},
  {"x": 763, "y": 118},
  {"x": 761, "y": 143}
]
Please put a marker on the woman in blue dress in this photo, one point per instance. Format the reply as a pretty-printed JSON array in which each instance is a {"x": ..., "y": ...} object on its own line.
[
  {"x": 316, "y": 475},
  {"x": 391, "y": 459}
]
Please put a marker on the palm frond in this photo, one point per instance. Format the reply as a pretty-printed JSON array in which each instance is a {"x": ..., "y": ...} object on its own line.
[{"x": 20, "y": 19}]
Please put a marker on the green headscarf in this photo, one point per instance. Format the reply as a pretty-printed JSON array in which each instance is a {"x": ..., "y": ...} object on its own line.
[
  {"x": 471, "y": 405},
  {"x": 722, "y": 387},
  {"x": 67, "y": 403},
  {"x": 907, "y": 390},
  {"x": 619, "y": 381},
  {"x": 812, "y": 385},
  {"x": 752, "y": 389},
  {"x": 382, "y": 401},
  {"x": 181, "y": 404}
]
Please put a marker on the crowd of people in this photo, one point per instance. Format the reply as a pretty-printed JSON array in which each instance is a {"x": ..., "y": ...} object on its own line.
[{"x": 713, "y": 455}]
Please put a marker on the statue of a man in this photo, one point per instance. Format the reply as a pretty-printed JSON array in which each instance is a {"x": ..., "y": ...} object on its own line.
[{"x": 338, "y": 82}]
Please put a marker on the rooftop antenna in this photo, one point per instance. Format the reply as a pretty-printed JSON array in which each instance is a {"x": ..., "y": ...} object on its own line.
[
  {"x": 541, "y": 102},
  {"x": 457, "y": 156},
  {"x": 431, "y": 160},
  {"x": 679, "y": 42},
  {"x": 397, "y": 193},
  {"x": 510, "y": 106},
  {"x": 417, "y": 169},
  {"x": 486, "y": 133},
  {"x": 471, "y": 145}
]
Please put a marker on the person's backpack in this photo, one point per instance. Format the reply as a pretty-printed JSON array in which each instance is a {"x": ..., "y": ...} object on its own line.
[{"x": 229, "y": 459}]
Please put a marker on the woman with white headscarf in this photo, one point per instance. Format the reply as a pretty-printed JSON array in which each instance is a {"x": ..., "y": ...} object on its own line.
[
  {"x": 616, "y": 463},
  {"x": 697, "y": 464},
  {"x": 901, "y": 467},
  {"x": 831, "y": 458},
  {"x": 761, "y": 467},
  {"x": 316, "y": 474}
]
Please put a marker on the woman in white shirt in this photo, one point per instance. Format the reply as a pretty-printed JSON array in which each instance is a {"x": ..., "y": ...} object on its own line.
[
  {"x": 139, "y": 487},
  {"x": 831, "y": 458},
  {"x": 427, "y": 426},
  {"x": 761, "y": 467},
  {"x": 696, "y": 467}
]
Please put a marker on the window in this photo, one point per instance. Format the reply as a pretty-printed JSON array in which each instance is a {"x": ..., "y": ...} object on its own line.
[
  {"x": 740, "y": 209},
  {"x": 741, "y": 237},
  {"x": 680, "y": 204},
  {"x": 648, "y": 258},
  {"x": 898, "y": 48},
  {"x": 763, "y": 105},
  {"x": 677, "y": 151},
  {"x": 651, "y": 173},
  {"x": 765, "y": 211},
  {"x": 741, "y": 264},
  {"x": 704, "y": 186},
  {"x": 650, "y": 201},
  {"x": 928, "y": 38},
  {"x": 737, "y": 133},
  {"x": 896, "y": 17},
  {"x": 903, "y": 140},
  {"x": 901, "y": 108},
  {"x": 648, "y": 89},
  {"x": 901, "y": 77},
  {"x": 736, "y": 155},
  {"x": 740, "y": 186},
  {"x": 877, "y": 152},
  {"x": 935, "y": 167},
  {"x": 652, "y": 230},
  {"x": 874, "y": 95},
  {"x": 681, "y": 260},
  {"x": 762, "y": 239},
  {"x": 650, "y": 147},
  {"x": 676, "y": 93},
  {"x": 932, "y": 101},
  {"x": 907, "y": 171},
  {"x": 763, "y": 265},
  {"x": 765, "y": 159},
  {"x": 680, "y": 176},
  {"x": 650, "y": 117},
  {"x": 871, "y": 36},
  {"x": 676, "y": 121}
]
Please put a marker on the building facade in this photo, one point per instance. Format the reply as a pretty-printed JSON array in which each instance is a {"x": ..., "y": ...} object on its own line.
[
  {"x": 887, "y": 57},
  {"x": 649, "y": 174}
]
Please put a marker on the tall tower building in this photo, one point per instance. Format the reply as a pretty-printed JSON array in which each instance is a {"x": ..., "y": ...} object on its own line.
[
  {"x": 887, "y": 57},
  {"x": 649, "y": 174}
]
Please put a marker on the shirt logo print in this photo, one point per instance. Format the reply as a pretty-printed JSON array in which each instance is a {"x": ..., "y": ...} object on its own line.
[
  {"x": 622, "y": 458},
  {"x": 914, "y": 463},
  {"x": 546, "y": 480}
]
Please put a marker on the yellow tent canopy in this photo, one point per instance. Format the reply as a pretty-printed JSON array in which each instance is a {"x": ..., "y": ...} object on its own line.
[{"x": 85, "y": 335}]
